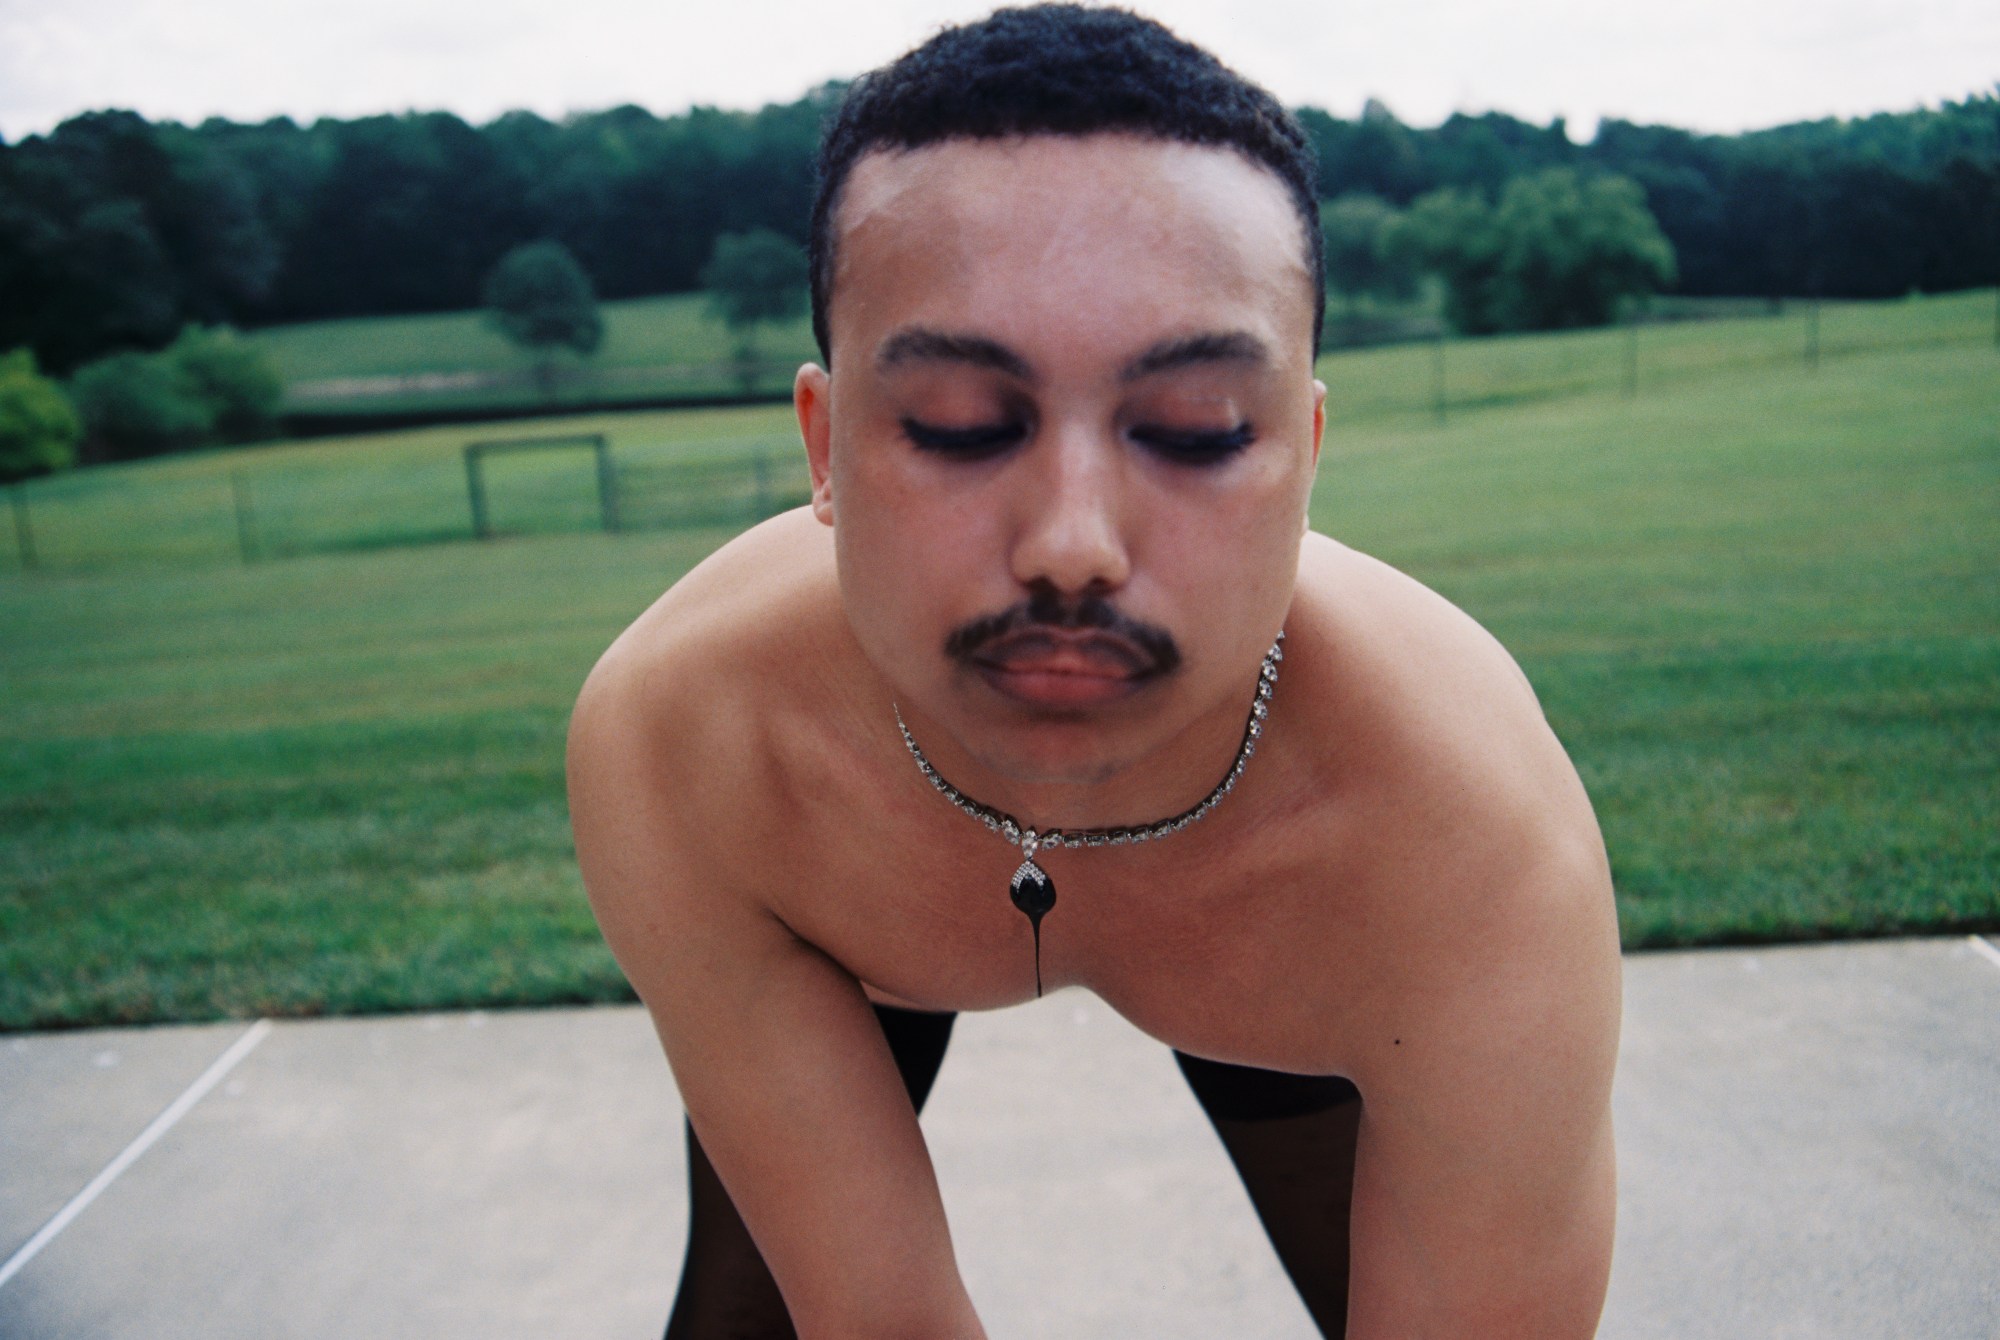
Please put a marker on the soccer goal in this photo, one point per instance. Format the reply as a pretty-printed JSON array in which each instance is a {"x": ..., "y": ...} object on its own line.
[{"x": 476, "y": 471}]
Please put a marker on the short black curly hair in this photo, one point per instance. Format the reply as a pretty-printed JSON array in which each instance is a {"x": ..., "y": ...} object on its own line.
[{"x": 1058, "y": 69}]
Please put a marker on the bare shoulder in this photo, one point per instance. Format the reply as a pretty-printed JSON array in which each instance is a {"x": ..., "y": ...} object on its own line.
[
  {"x": 669, "y": 730},
  {"x": 709, "y": 651},
  {"x": 1453, "y": 755},
  {"x": 1475, "y": 830},
  {"x": 716, "y": 614}
]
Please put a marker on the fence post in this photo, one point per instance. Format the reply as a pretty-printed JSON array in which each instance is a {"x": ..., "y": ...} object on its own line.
[
  {"x": 24, "y": 534},
  {"x": 475, "y": 492},
  {"x": 1437, "y": 378},
  {"x": 246, "y": 518},
  {"x": 607, "y": 487}
]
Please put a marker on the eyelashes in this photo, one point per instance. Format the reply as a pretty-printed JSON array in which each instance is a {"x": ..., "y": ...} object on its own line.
[
  {"x": 982, "y": 440},
  {"x": 1195, "y": 448},
  {"x": 977, "y": 441}
]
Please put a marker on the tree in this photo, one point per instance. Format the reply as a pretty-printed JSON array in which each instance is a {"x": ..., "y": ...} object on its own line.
[
  {"x": 115, "y": 232},
  {"x": 1354, "y": 229},
  {"x": 753, "y": 278},
  {"x": 38, "y": 429},
  {"x": 233, "y": 378},
  {"x": 540, "y": 298},
  {"x": 137, "y": 404},
  {"x": 208, "y": 386},
  {"x": 1451, "y": 233},
  {"x": 1558, "y": 251}
]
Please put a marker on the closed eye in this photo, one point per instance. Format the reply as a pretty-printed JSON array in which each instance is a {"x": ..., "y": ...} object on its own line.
[
  {"x": 1194, "y": 448},
  {"x": 982, "y": 439}
]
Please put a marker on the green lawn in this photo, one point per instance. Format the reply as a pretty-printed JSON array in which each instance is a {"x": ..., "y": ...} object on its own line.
[
  {"x": 367, "y": 492},
  {"x": 669, "y": 345},
  {"x": 1759, "y": 603},
  {"x": 1764, "y": 616}
]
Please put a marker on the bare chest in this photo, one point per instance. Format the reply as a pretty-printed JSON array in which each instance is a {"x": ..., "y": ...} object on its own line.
[{"x": 1210, "y": 941}]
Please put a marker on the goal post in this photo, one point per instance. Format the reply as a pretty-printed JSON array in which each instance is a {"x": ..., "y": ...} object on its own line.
[{"x": 475, "y": 474}]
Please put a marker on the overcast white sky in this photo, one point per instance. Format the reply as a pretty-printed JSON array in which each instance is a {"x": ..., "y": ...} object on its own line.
[{"x": 1705, "y": 64}]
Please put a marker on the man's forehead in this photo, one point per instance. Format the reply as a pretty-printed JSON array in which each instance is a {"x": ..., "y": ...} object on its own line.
[
  {"x": 1046, "y": 209},
  {"x": 1104, "y": 162}
]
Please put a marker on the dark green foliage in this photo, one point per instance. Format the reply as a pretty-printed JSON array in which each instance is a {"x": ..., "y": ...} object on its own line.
[
  {"x": 1355, "y": 231},
  {"x": 1873, "y": 207},
  {"x": 755, "y": 277},
  {"x": 38, "y": 429},
  {"x": 234, "y": 379},
  {"x": 115, "y": 233},
  {"x": 407, "y": 213},
  {"x": 137, "y": 404},
  {"x": 1377, "y": 155},
  {"x": 207, "y": 387},
  {"x": 1557, "y": 252},
  {"x": 540, "y": 298}
]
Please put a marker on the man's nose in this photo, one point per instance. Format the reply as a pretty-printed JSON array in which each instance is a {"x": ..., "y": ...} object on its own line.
[{"x": 1071, "y": 530}]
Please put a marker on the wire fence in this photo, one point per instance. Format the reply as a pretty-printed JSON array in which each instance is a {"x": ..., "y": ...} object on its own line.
[
  {"x": 236, "y": 507},
  {"x": 255, "y": 513},
  {"x": 1439, "y": 377}
]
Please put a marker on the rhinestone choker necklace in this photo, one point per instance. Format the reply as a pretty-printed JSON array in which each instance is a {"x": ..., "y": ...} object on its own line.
[{"x": 1031, "y": 888}]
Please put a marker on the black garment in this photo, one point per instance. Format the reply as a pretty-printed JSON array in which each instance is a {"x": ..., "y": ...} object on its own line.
[{"x": 1291, "y": 1138}]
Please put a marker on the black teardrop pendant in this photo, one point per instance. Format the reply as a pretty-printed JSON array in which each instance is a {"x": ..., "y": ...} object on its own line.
[{"x": 1034, "y": 893}]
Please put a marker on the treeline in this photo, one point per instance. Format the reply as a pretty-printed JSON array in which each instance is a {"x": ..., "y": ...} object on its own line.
[
  {"x": 116, "y": 232},
  {"x": 1874, "y": 207}
]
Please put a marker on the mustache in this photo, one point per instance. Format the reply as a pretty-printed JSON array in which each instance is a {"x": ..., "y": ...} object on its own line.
[{"x": 1047, "y": 609}]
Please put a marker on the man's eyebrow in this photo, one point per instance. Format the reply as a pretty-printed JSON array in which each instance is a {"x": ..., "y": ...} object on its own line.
[
  {"x": 1231, "y": 346},
  {"x": 921, "y": 344}
]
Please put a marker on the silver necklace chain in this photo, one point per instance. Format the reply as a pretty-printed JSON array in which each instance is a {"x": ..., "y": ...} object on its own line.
[
  {"x": 1031, "y": 840},
  {"x": 1031, "y": 888}
]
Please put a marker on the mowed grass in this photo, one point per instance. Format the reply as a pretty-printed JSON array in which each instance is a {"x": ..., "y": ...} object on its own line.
[
  {"x": 1764, "y": 616},
  {"x": 643, "y": 337},
  {"x": 638, "y": 332},
  {"x": 1760, "y": 610},
  {"x": 367, "y": 492}
]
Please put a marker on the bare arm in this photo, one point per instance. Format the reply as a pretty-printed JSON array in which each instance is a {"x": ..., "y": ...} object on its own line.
[
  {"x": 1485, "y": 1176},
  {"x": 778, "y": 1057}
]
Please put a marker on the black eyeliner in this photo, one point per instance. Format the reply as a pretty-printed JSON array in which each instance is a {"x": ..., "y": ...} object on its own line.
[
  {"x": 977, "y": 440},
  {"x": 1196, "y": 448}
]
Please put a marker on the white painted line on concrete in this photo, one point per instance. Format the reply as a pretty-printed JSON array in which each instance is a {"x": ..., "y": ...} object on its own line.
[
  {"x": 161, "y": 1124},
  {"x": 1985, "y": 947}
]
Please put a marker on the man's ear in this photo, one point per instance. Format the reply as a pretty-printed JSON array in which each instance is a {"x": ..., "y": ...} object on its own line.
[
  {"x": 1319, "y": 434},
  {"x": 1319, "y": 417},
  {"x": 812, "y": 394}
]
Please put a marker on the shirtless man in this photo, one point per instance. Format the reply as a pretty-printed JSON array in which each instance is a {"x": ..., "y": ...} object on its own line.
[{"x": 1066, "y": 288}]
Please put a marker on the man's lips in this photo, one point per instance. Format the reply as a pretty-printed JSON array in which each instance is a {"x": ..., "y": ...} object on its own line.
[
  {"x": 1056, "y": 668},
  {"x": 1039, "y": 651}
]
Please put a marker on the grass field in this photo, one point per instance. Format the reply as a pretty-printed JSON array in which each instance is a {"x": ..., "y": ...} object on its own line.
[
  {"x": 1759, "y": 603},
  {"x": 669, "y": 345},
  {"x": 369, "y": 492}
]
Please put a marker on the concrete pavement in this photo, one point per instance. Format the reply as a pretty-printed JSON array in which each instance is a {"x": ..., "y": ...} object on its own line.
[{"x": 1809, "y": 1147}]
